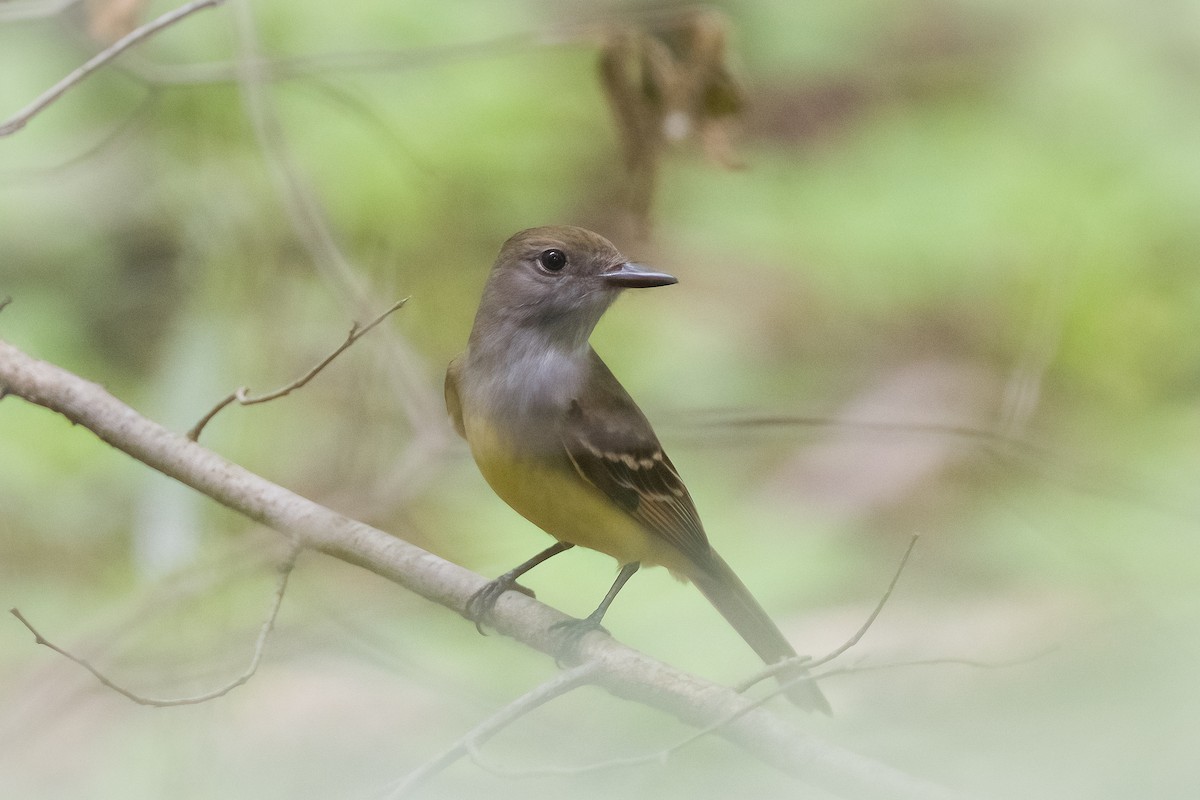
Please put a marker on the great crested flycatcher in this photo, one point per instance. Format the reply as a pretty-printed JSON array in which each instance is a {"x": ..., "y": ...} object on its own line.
[{"x": 561, "y": 441}]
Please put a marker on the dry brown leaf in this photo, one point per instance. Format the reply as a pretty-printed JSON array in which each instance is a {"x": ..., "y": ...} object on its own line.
[
  {"x": 109, "y": 20},
  {"x": 668, "y": 83}
]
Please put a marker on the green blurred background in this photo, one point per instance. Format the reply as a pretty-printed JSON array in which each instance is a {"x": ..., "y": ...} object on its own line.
[{"x": 953, "y": 293}]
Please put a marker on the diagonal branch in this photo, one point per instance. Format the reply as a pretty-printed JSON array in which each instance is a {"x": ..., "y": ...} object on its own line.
[
  {"x": 621, "y": 670},
  {"x": 19, "y": 120}
]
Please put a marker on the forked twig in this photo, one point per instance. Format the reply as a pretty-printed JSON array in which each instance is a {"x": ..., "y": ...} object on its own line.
[
  {"x": 264, "y": 632},
  {"x": 242, "y": 396},
  {"x": 808, "y": 661}
]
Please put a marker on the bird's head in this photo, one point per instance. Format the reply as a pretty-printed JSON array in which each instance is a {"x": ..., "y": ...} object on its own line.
[{"x": 560, "y": 279}]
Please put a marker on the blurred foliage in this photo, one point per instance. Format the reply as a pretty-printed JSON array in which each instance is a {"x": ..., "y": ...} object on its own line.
[{"x": 954, "y": 292}]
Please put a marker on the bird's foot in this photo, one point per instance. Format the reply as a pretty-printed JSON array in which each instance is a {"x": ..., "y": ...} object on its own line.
[
  {"x": 479, "y": 605},
  {"x": 573, "y": 631}
]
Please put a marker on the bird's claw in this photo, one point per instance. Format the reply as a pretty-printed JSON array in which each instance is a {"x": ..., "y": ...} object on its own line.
[
  {"x": 573, "y": 631},
  {"x": 479, "y": 605}
]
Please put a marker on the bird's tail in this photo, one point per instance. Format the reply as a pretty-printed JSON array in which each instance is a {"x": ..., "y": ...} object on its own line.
[{"x": 717, "y": 582}]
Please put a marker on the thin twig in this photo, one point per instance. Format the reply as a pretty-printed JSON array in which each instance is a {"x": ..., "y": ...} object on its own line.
[
  {"x": 22, "y": 117},
  {"x": 870, "y": 620},
  {"x": 294, "y": 67},
  {"x": 242, "y": 396},
  {"x": 354, "y": 335},
  {"x": 119, "y": 132},
  {"x": 985, "y": 437},
  {"x": 953, "y": 661},
  {"x": 1046, "y": 462},
  {"x": 264, "y": 632},
  {"x": 468, "y": 745},
  {"x": 809, "y": 663},
  {"x": 586, "y": 32},
  {"x": 194, "y": 433}
]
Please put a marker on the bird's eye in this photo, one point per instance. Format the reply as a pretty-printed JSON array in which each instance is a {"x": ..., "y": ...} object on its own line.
[{"x": 553, "y": 260}]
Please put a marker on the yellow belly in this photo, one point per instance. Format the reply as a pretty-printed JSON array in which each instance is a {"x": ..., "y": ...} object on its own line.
[{"x": 551, "y": 495}]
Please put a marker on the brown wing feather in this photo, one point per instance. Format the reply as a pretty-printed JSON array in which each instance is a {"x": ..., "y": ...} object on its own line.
[{"x": 613, "y": 447}]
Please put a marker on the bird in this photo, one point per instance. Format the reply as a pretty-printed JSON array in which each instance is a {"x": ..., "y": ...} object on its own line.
[{"x": 560, "y": 440}]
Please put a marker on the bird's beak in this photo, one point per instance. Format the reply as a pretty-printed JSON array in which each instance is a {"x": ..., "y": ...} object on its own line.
[{"x": 635, "y": 276}]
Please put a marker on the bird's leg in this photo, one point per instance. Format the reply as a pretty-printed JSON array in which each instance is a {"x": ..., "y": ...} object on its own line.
[
  {"x": 480, "y": 604},
  {"x": 574, "y": 629}
]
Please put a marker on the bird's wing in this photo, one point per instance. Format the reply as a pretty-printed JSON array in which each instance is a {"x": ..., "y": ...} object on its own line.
[
  {"x": 453, "y": 404},
  {"x": 613, "y": 447}
]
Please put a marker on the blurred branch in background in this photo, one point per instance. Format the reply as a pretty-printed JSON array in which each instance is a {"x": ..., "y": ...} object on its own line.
[
  {"x": 857, "y": 430},
  {"x": 23, "y": 10},
  {"x": 20, "y": 119}
]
